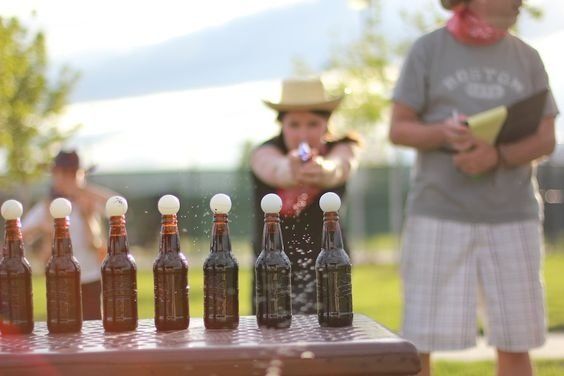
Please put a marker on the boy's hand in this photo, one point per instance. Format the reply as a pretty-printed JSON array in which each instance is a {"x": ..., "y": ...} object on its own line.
[
  {"x": 458, "y": 137},
  {"x": 482, "y": 158}
]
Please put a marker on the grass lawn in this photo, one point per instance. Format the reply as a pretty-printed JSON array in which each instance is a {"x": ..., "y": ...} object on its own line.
[
  {"x": 554, "y": 283},
  {"x": 541, "y": 367}
]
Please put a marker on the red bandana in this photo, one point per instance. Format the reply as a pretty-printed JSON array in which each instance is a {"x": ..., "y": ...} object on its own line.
[{"x": 466, "y": 27}]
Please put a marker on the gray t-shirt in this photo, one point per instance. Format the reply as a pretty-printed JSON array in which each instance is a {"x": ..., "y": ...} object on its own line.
[{"x": 440, "y": 75}]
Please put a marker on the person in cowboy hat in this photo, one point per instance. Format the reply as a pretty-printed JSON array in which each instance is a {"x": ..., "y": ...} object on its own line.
[
  {"x": 300, "y": 164},
  {"x": 473, "y": 220},
  {"x": 88, "y": 201}
]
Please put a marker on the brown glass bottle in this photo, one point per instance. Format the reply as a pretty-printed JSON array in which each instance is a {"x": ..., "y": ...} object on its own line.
[
  {"x": 221, "y": 279},
  {"x": 333, "y": 274},
  {"x": 119, "y": 281},
  {"x": 273, "y": 278},
  {"x": 64, "y": 302},
  {"x": 16, "y": 296},
  {"x": 170, "y": 274}
]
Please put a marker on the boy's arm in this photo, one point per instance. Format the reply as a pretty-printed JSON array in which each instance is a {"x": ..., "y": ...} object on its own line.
[
  {"x": 530, "y": 148},
  {"x": 406, "y": 129}
]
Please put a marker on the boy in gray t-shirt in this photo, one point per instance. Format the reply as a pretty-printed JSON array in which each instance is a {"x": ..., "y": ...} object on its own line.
[{"x": 473, "y": 218}]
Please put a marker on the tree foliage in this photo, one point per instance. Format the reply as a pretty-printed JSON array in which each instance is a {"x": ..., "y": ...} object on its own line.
[
  {"x": 29, "y": 103},
  {"x": 361, "y": 71}
]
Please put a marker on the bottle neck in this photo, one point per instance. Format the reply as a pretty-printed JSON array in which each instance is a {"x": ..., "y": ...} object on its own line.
[
  {"x": 170, "y": 241},
  {"x": 62, "y": 245},
  {"x": 117, "y": 241},
  {"x": 272, "y": 233},
  {"x": 220, "y": 239},
  {"x": 13, "y": 240},
  {"x": 332, "y": 238}
]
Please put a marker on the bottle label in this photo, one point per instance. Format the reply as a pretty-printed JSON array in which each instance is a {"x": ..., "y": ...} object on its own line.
[
  {"x": 120, "y": 296},
  {"x": 63, "y": 298},
  {"x": 171, "y": 294},
  {"x": 220, "y": 293},
  {"x": 15, "y": 299},
  {"x": 275, "y": 293},
  {"x": 334, "y": 291}
]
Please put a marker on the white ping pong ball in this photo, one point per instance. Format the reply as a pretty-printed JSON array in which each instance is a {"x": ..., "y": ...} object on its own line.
[
  {"x": 220, "y": 203},
  {"x": 60, "y": 208},
  {"x": 11, "y": 209},
  {"x": 271, "y": 203},
  {"x": 169, "y": 204},
  {"x": 116, "y": 206},
  {"x": 330, "y": 202}
]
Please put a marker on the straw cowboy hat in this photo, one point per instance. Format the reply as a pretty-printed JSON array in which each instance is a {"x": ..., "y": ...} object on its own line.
[
  {"x": 449, "y": 4},
  {"x": 304, "y": 95}
]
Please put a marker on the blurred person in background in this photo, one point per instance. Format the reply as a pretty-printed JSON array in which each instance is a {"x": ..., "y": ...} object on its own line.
[
  {"x": 301, "y": 163},
  {"x": 474, "y": 221},
  {"x": 86, "y": 226}
]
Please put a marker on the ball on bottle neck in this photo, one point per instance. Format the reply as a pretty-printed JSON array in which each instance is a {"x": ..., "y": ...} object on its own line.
[
  {"x": 169, "y": 205},
  {"x": 271, "y": 203},
  {"x": 330, "y": 202},
  {"x": 116, "y": 206},
  {"x": 60, "y": 208},
  {"x": 11, "y": 209},
  {"x": 220, "y": 204}
]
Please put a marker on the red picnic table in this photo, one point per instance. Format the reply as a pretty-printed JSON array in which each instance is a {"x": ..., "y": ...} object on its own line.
[{"x": 366, "y": 348}]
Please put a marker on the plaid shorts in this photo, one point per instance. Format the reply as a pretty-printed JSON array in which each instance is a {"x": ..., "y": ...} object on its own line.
[{"x": 447, "y": 267}]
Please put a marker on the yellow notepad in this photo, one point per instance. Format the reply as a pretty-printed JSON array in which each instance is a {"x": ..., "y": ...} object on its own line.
[
  {"x": 486, "y": 125},
  {"x": 505, "y": 124}
]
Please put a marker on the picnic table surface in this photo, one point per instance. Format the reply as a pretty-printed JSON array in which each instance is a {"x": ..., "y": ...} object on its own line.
[{"x": 365, "y": 348}]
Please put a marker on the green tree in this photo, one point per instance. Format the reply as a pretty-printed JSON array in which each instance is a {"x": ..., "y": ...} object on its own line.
[
  {"x": 29, "y": 103},
  {"x": 361, "y": 72}
]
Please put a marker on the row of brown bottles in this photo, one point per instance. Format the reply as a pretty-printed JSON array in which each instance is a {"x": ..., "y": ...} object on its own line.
[
  {"x": 273, "y": 270},
  {"x": 170, "y": 271},
  {"x": 119, "y": 280}
]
